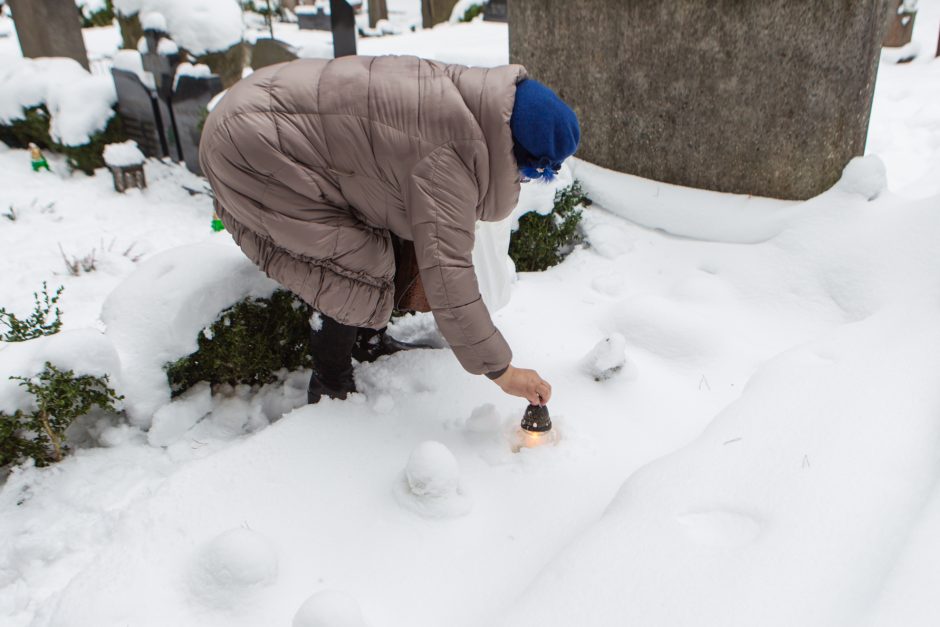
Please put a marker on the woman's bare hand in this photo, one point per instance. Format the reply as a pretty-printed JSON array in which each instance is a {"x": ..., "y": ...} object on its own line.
[{"x": 525, "y": 383}]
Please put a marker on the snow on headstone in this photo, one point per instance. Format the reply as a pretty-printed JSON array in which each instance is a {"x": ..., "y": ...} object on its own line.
[
  {"x": 865, "y": 176},
  {"x": 167, "y": 47},
  {"x": 122, "y": 155},
  {"x": 430, "y": 484},
  {"x": 608, "y": 358},
  {"x": 199, "y": 70},
  {"x": 153, "y": 20},
  {"x": 231, "y": 564},
  {"x": 329, "y": 608},
  {"x": 131, "y": 61}
]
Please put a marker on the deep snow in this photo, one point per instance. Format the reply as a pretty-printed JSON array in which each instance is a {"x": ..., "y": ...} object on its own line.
[{"x": 765, "y": 455}]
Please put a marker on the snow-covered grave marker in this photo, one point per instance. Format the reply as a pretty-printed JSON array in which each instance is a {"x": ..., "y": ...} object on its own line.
[
  {"x": 161, "y": 99},
  {"x": 126, "y": 162}
]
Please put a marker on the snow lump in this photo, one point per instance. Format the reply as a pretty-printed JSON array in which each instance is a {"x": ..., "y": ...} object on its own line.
[
  {"x": 329, "y": 608},
  {"x": 608, "y": 359},
  {"x": 232, "y": 563},
  {"x": 430, "y": 483}
]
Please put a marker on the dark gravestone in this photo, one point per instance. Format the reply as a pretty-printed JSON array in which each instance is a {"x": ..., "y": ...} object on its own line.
[
  {"x": 770, "y": 98},
  {"x": 142, "y": 114},
  {"x": 49, "y": 28},
  {"x": 900, "y": 25},
  {"x": 189, "y": 107},
  {"x": 267, "y": 52},
  {"x": 161, "y": 65},
  {"x": 312, "y": 19},
  {"x": 496, "y": 11},
  {"x": 343, "y": 22}
]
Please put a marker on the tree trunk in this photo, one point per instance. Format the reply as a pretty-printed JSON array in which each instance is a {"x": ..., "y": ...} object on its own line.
[
  {"x": 378, "y": 10},
  {"x": 436, "y": 11}
]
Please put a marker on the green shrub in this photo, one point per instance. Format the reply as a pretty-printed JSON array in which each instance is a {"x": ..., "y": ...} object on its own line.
[
  {"x": 34, "y": 127},
  {"x": 472, "y": 11},
  {"x": 541, "y": 242},
  {"x": 45, "y": 319},
  {"x": 249, "y": 343},
  {"x": 60, "y": 397},
  {"x": 103, "y": 17}
]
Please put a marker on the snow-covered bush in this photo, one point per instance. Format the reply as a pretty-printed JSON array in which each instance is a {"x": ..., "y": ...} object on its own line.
[
  {"x": 542, "y": 241},
  {"x": 467, "y": 11},
  {"x": 34, "y": 126},
  {"x": 96, "y": 12},
  {"x": 45, "y": 319},
  {"x": 59, "y": 397},
  {"x": 248, "y": 343},
  {"x": 199, "y": 26},
  {"x": 57, "y": 104}
]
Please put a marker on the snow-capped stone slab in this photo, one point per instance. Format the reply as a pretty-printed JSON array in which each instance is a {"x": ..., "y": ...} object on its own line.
[{"x": 123, "y": 154}]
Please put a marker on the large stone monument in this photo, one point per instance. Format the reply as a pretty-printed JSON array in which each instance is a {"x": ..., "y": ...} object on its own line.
[
  {"x": 770, "y": 98},
  {"x": 49, "y": 28}
]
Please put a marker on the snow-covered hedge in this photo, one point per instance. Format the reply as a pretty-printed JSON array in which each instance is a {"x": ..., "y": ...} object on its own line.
[
  {"x": 56, "y": 104},
  {"x": 79, "y": 103},
  {"x": 199, "y": 26},
  {"x": 95, "y": 12}
]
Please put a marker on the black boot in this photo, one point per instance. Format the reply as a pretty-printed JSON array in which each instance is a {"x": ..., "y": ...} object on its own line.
[
  {"x": 331, "y": 348},
  {"x": 371, "y": 344}
]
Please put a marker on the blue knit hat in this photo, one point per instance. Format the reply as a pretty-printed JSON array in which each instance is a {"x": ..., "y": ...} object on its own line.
[{"x": 545, "y": 130}]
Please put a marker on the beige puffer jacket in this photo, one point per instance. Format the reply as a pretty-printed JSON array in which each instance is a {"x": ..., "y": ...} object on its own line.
[{"x": 314, "y": 162}]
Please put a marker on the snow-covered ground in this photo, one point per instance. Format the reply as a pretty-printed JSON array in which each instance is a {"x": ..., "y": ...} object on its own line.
[{"x": 766, "y": 455}]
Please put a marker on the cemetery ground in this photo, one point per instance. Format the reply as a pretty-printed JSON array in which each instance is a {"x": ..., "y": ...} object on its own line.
[{"x": 766, "y": 453}]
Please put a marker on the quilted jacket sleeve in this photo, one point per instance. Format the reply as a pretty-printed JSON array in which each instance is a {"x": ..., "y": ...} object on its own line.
[{"x": 443, "y": 198}]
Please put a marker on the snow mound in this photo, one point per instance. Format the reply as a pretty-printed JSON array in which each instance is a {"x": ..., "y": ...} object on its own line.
[
  {"x": 155, "y": 315},
  {"x": 84, "y": 351},
  {"x": 430, "y": 484},
  {"x": 123, "y": 154},
  {"x": 329, "y": 608},
  {"x": 79, "y": 103},
  {"x": 153, "y": 20},
  {"x": 683, "y": 211},
  {"x": 131, "y": 61},
  {"x": 865, "y": 176},
  {"x": 171, "y": 421},
  {"x": 608, "y": 359},
  {"x": 231, "y": 564},
  {"x": 725, "y": 520},
  {"x": 484, "y": 419}
]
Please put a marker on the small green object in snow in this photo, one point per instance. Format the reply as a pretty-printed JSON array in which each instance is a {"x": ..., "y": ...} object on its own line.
[
  {"x": 38, "y": 160},
  {"x": 217, "y": 225}
]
